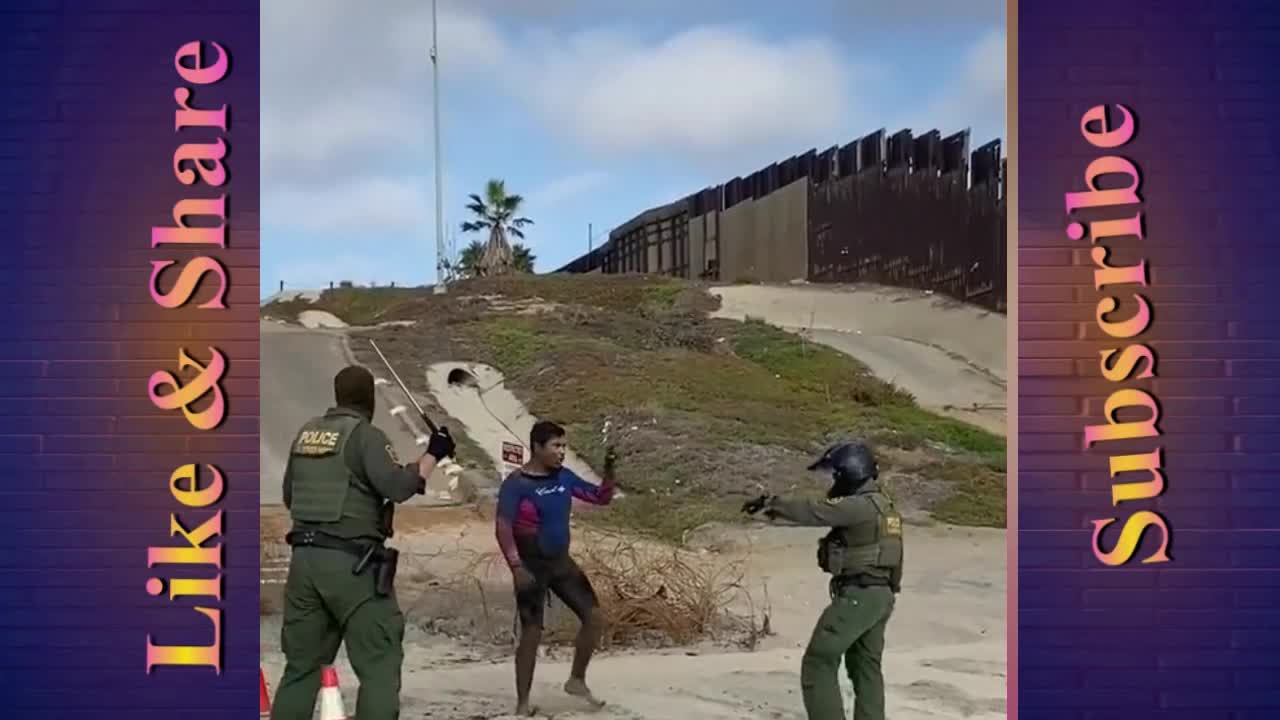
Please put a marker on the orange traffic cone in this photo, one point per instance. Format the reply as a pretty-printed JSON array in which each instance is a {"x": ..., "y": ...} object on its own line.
[
  {"x": 264, "y": 701},
  {"x": 330, "y": 697}
]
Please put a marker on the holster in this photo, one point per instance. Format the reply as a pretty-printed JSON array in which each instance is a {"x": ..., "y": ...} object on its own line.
[
  {"x": 831, "y": 554},
  {"x": 384, "y": 582},
  {"x": 382, "y": 559}
]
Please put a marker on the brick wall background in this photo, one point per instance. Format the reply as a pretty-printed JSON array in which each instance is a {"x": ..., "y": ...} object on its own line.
[
  {"x": 1198, "y": 637},
  {"x": 86, "y": 148}
]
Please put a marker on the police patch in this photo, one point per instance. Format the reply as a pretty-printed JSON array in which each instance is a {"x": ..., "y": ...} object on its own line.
[
  {"x": 316, "y": 442},
  {"x": 892, "y": 525}
]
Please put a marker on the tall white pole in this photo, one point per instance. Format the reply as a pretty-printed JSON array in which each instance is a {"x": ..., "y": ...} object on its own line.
[{"x": 435, "y": 88}]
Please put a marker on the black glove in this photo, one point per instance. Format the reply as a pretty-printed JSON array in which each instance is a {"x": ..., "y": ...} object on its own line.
[
  {"x": 441, "y": 444},
  {"x": 751, "y": 507},
  {"x": 610, "y": 458}
]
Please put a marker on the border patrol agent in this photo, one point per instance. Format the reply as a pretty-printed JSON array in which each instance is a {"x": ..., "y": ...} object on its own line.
[
  {"x": 863, "y": 554},
  {"x": 341, "y": 484}
]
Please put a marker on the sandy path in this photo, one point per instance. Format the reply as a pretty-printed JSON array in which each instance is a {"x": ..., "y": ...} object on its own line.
[
  {"x": 476, "y": 395},
  {"x": 949, "y": 355},
  {"x": 298, "y": 366},
  {"x": 945, "y": 655}
]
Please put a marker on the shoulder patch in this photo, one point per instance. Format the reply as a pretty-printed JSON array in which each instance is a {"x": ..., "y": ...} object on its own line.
[{"x": 893, "y": 525}]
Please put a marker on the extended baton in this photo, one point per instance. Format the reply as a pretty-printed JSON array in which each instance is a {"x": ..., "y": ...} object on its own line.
[{"x": 430, "y": 425}]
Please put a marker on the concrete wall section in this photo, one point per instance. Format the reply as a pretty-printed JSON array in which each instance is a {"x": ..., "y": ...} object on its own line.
[{"x": 766, "y": 239}]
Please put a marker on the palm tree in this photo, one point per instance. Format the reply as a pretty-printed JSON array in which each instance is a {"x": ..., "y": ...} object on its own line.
[
  {"x": 522, "y": 258},
  {"x": 496, "y": 212},
  {"x": 467, "y": 264}
]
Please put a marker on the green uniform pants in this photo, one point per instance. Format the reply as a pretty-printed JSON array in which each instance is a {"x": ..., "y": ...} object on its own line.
[
  {"x": 850, "y": 629},
  {"x": 326, "y": 605}
]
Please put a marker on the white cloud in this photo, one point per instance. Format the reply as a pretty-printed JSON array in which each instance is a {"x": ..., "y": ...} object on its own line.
[
  {"x": 353, "y": 204},
  {"x": 974, "y": 94},
  {"x": 709, "y": 91},
  {"x": 706, "y": 91},
  {"x": 468, "y": 41},
  {"x": 564, "y": 189},
  {"x": 360, "y": 130},
  {"x": 347, "y": 101},
  {"x": 347, "y": 87},
  {"x": 345, "y": 90}
]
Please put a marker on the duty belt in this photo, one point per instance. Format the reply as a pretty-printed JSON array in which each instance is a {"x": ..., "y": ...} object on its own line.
[
  {"x": 315, "y": 538},
  {"x": 841, "y": 582},
  {"x": 384, "y": 560}
]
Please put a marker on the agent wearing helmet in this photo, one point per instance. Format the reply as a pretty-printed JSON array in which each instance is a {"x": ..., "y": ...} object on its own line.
[{"x": 863, "y": 554}]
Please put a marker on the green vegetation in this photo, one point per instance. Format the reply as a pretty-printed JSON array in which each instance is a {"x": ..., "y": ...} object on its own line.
[
  {"x": 356, "y": 306},
  {"x": 707, "y": 412},
  {"x": 977, "y": 497}
]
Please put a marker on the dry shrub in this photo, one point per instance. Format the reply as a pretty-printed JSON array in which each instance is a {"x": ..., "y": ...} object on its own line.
[
  {"x": 650, "y": 595},
  {"x": 659, "y": 595}
]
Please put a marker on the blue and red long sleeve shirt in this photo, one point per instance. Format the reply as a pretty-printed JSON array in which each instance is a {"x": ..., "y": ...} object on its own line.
[{"x": 537, "y": 508}]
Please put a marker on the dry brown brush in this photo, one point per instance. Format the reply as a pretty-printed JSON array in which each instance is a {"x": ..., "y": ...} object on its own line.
[{"x": 651, "y": 596}]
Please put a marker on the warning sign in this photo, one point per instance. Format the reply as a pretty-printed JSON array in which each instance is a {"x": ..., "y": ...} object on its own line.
[{"x": 512, "y": 453}]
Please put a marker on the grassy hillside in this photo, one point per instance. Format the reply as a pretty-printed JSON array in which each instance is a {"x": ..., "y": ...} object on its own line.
[{"x": 710, "y": 411}]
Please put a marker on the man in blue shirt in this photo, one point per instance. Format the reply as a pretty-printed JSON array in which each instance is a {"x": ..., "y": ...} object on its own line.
[{"x": 532, "y": 527}]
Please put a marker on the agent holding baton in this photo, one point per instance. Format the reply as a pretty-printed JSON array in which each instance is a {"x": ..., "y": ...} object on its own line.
[{"x": 340, "y": 483}]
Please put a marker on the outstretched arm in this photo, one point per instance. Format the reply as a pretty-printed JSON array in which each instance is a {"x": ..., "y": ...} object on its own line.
[
  {"x": 589, "y": 492},
  {"x": 839, "y": 512},
  {"x": 392, "y": 480}
]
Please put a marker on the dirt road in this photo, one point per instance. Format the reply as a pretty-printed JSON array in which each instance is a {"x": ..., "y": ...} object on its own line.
[
  {"x": 949, "y": 355},
  {"x": 298, "y": 366},
  {"x": 945, "y": 656}
]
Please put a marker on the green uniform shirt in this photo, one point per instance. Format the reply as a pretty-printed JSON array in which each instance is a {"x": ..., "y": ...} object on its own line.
[
  {"x": 375, "y": 476},
  {"x": 867, "y": 522}
]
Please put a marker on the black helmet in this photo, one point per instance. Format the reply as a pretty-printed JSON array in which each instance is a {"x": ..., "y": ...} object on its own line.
[{"x": 851, "y": 464}]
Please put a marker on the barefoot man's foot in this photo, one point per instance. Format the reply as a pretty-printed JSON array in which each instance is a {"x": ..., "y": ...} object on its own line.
[
  {"x": 578, "y": 688},
  {"x": 526, "y": 710}
]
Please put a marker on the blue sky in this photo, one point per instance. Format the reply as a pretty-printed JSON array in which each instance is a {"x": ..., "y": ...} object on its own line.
[{"x": 594, "y": 110}]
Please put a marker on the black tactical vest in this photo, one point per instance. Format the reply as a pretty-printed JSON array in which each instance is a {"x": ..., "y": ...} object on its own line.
[{"x": 327, "y": 495}]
